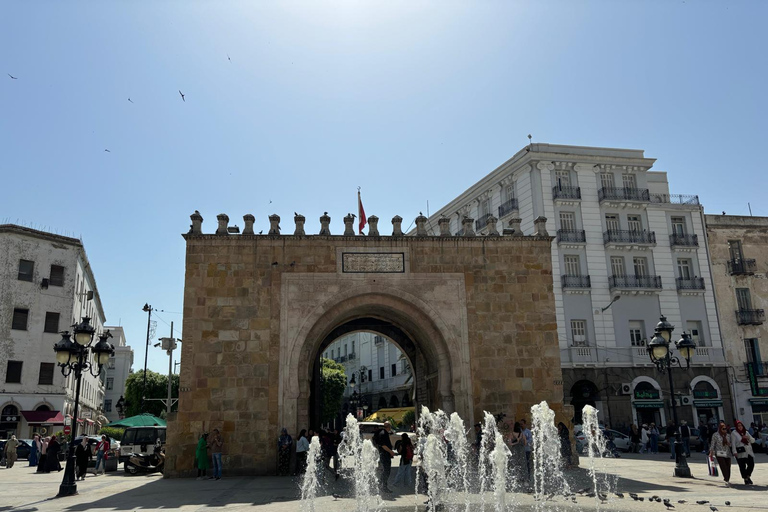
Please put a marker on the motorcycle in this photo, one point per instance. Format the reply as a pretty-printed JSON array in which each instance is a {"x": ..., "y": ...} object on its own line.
[{"x": 145, "y": 463}]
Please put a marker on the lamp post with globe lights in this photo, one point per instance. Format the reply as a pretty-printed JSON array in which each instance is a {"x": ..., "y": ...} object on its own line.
[
  {"x": 659, "y": 351},
  {"x": 79, "y": 356}
]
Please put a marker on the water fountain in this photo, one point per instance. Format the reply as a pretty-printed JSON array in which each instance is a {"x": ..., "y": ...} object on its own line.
[
  {"x": 364, "y": 459},
  {"x": 548, "y": 477},
  {"x": 309, "y": 483},
  {"x": 596, "y": 447},
  {"x": 458, "y": 472}
]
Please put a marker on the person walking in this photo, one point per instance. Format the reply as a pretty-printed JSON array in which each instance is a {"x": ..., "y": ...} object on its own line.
[
  {"x": 384, "y": 444},
  {"x": 52, "y": 460},
  {"x": 644, "y": 439},
  {"x": 82, "y": 456},
  {"x": 102, "y": 449},
  {"x": 302, "y": 449},
  {"x": 634, "y": 438},
  {"x": 565, "y": 444},
  {"x": 10, "y": 451},
  {"x": 284, "y": 446},
  {"x": 704, "y": 436},
  {"x": 721, "y": 449},
  {"x": 217, "y": 446},
  {"x": 741, "y": 441},
  {"x": 653, "y": 437},
  {"x": 201, "y": 456},
  {"x": 671, "y": 432},
  {"x": 685, "y": 435},
  {"x": 528, "y": 447},
  {"x": 404, "y": 472},
  {"x": 34, "y": 450},
  {"x": 42, "y": 462}
]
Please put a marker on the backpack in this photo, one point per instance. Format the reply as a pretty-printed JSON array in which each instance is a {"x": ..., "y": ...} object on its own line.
[{"x": 408, "y": 455}]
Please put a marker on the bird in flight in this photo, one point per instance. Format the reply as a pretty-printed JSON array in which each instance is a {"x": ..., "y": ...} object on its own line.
[
  {"x": 12, "y": 77},
  {"x": 230, "y": 60},
  {"x": 129, "y": 99},
  {"x": 182, "y": 96},
  {"x": 108, "y": 151}
]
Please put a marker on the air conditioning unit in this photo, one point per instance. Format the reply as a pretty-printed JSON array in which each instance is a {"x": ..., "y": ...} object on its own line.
[
  {"x": 686, "y": 400},
  {"x": 626, "y": 388},
  {"x": 677, "y": 402}
]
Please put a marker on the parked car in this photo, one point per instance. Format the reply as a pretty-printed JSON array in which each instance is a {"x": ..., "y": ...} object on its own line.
[
  {"x": 22, "y": 451},
  {"x": 140, "y": 440},
  {"x": 369, "y": 428},
  {"x": 621, "y": 441},
  {"x": 695, "y": 443}
]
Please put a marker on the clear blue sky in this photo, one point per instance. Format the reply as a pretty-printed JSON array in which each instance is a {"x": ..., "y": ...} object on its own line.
[{"x": 412, "y": 101}]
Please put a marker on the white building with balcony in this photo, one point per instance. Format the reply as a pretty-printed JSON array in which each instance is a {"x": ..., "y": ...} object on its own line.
[
  {"x": 625, "y": 252},
  {"x": 117, "y": 371},
  {"x": 46, "y": 285}
]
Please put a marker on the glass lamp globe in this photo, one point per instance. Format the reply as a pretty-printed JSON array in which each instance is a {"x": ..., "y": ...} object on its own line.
[
  {"x": 84, "y": 332},
  {"x": 658, "y": 348},
  {"x": 665, "y": 328},
  {"x": 686, "y": 347}
]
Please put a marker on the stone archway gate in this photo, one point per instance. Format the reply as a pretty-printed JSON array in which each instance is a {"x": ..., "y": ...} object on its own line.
[{"x": 257, "y": 308}]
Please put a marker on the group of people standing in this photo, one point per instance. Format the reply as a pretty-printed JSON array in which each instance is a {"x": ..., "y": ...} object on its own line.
[
  {"x": 329, "y": 448},
  {"x": 202, "y": 462},
  {"x": 47, "y": 450}
]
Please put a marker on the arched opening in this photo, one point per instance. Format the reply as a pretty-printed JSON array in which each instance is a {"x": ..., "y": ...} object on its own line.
[
  {"x": 9, "y": 421},
  {"x": 646, "y": 398},
  {"x": 394, "y": 402},
  {"x": 583, "y": 392},
  {"x": 707, "y": 402},
  {"x": 43, "y": 407}
]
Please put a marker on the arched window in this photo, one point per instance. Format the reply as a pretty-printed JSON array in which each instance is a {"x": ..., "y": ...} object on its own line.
[
  {"x": 394, "y": 402},
  {"x": 43, "y": 407},
  {"x": 406, "y": 401},
  {"x": 382, "y": 403}
]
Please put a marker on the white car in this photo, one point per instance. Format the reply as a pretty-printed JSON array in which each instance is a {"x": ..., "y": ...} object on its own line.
[
  {"x": 369, "y": 428},
  {"x": 621, "y": 441}
]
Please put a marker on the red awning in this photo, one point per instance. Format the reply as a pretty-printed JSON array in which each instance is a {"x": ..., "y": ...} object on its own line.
[
  {"x": 47, "y": 417},
  {"x": 90, "y": 422}
]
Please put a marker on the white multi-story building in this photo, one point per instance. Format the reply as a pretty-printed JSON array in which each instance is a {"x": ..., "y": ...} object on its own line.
[
  {"x": 46, "y": 285},
  {"x": 117, "y": 372},
  {"x": 382, "y": 375},
  {"x": 619, "y": 234}
]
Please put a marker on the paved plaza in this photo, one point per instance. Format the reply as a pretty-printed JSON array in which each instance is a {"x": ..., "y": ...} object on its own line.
[{"x": 22, "y": 490}]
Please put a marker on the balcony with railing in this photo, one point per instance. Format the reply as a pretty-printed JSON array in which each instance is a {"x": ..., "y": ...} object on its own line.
[
  {"x": 575, "y": 281},
  {"x": 683, "y": 240},
  {"x": 579, "y": 352},
  {"x": 625, "y": 236},
  {"x": 482, "y": 222},
  {"x": 507, "y": 207},
  {"x": 635, "y": 282},
  {"x": 742, "y": 267},
  {"x": 683, "y": 199},
  {"x": 750, "y": 316},
  {"x": 561, "y": 192},
  {"x": 624, "y": 194},
  {"x": 574, "y": 236},
  {"x": 690, "y": 283}
]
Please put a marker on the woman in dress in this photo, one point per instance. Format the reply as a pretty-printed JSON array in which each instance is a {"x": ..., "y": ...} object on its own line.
[
  {"x": 54, "y": 448},
  {"x": 34, "y": 450},
  {"x": 721, "y": 449},
  {"x": 82, "y": 456},
  {"x": 742, "y": 441},
  {"x": 201, "y": 456},
  {"x": 42, "y": 463}
]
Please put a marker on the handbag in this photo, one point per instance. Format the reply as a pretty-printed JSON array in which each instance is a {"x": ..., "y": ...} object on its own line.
[
  {"x": 722, "y": 453},
  {"x": 741, "y": 449},
  {"x": 711, "y": 466}
]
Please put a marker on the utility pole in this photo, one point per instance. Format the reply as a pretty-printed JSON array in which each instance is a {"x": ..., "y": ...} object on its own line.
[
  {"x": 147, "y": 308},
  {"x": 170, "y": 369}
]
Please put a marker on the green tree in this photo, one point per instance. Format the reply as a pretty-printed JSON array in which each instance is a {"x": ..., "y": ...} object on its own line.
[
  {"x": 157, "y": 387},
  {"x": 409, "y": 418},
  {"x": 334, "y": 382}
]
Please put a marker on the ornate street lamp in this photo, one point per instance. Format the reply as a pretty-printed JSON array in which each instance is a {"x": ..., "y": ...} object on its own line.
[
  {"x": 658, "y": 350},
  {"x": 78, "y": 356}
]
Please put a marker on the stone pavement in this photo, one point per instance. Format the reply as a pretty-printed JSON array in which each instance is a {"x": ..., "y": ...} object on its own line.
[{"x": 22, "y": 490}]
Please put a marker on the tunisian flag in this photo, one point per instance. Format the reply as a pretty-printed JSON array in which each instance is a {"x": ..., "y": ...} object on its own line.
[{"x": 360, "y": 213}]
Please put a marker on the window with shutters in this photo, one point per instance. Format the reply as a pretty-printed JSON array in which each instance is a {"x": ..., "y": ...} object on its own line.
[
  {"x": 13, "y": 372},
  {"x": 20, "y": 319},
  {"x": 57, "y": 276},
  {"x": 752, "y": 346},
  {"x": 678, "y": 225},
  {"x": 484, "y": 208},
  {"x": 617, "y": 266},
  {"x": 572, "y": 266},
  {"x": 51, "y": 322},
  {"x": 563, "y": 179},
  {"x": 734, "y": 248},
  {"x": 612, "y": 222},
  {"x": 743, "y": 298},
  {"x": 641, "y": 266},
  {"x": 579, "y": 333},
  {"x": 26, "y": 270},
  {"x": 634, "y": 223},
  {"x": 567, "y": 221},
  {"x": 108, "y": 405},
  {"x": 509, "y": 192},
  {"x": 606, "y": 179},
  {"x": 684, "y": 268},
  {"x": 110, "y": 383},
  {"x": 694, "y": 328},
  {"x": 46, "y": 374},
  {"x": 629, "y": 181},
  {"x": 637, "y": 333}
]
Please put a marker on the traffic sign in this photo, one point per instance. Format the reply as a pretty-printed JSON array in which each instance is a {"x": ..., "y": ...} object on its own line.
[{"x": 67, "y": 430}]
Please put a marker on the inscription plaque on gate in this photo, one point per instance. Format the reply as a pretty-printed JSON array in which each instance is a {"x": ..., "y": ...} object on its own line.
[{"x": 379, "y": 262}]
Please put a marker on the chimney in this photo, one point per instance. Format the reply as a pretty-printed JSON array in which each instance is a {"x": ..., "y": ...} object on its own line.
[
  {"x": 349, "y": 229},
  {"x": 421, "y": 225},
  {"x": 373, "y": 225},
  {"x": 491, "y": 225},
  {"x": 540, "y": 226},
  {"x": 299, "y": 220},
  {"x": 397, "y": 226},
  {"x": 325, "y": 222},
  {"x": 223, "y": 221},
  {"x": 445, "y": 226},
  {"x": 197, "y": 224},
  {"x": 248, "y": 219},
  {"x": 274, "y": 224},
  {"x": 467, "y": 226}
]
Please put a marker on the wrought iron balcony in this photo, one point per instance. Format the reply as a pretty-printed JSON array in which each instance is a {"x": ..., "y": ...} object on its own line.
[
  {"x": 691, "y": 283},
  {"x": 675, "y": 199},
  {"x": 575, "y": 281},
  {"x": 623, "y": 194},
  {"x": 647, "y": 282},
  {"x": 760, "y": 368},
  {"x": 571, "y": 235},
  {"x": 482, "y": 222},
  {"x": 750, "y": 316},
  {"x": 559, "y": 192},
  {"x": 742, "y": 267},
  {"x": 624, "y": 236},
  {"x": 507, "y": 207},
  {"x": 676, "y": 239}
]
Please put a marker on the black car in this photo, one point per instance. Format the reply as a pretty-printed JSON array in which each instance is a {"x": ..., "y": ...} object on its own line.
[{"x": 22, "y": 451}]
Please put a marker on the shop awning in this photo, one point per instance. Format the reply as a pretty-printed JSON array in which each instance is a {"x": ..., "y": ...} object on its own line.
[
  {"x": 758, "y": 401},
  {"x": 43, "y": 417},
  {"x": 396, "y": 413},
  {"x": 648, "y": 405},
  {"x": 708, "y": 403}
]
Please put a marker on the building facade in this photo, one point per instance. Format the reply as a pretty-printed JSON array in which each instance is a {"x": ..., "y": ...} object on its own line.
[
  {"x": 626, "y": 252},
  {"x": 740, "y": 271},
  {"x": 46, "y": 285},
  {"x": 117, "y": 371},
  {"x": 381, "y": 372}
]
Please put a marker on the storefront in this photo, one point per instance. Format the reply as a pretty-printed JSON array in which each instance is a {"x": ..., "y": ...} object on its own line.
[
  {"x": 707, "y": 402},
  {"x": 759, "y": 410},
  {"x": 42, "y": 422},
  {"x": 10, "y": 421},
  {"x": 647, "y": 404}
]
